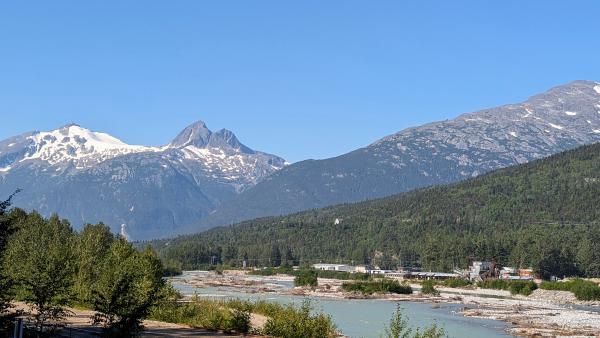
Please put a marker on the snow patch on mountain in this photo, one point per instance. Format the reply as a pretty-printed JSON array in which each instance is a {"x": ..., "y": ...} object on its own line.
[
  {"x": 78, "y": 145},
  {"x": 597, "y": 89},
  {"x": 570, "y": 113},
  {"x": 556, "y": 126}
]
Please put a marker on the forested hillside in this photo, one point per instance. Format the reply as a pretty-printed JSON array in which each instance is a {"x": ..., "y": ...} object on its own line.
[{"x": 543, "y": 214}]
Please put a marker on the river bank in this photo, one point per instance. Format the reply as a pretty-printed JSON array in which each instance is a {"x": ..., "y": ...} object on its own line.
[
  {"x": 79, "y": 324},
  {"x": 544, "y": 313}
]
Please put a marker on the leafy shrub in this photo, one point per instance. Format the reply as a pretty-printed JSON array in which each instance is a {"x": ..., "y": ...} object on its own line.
[
  {"x": 456, "y": 283},
  {"x": 171, "y": 268},
  {"x": 263, "y": 272},
  {"x": 262, "y": 307},
  {"x": 269, "y": 271},
  {"x": 240, "y": 321},
  {"x": 383, "y": 285},
  {"x": 514, "y": 286},
  {"x": 524, "y": 288},
  {"x": 127, "y": 288},
  {"x": 306, "y": 277},
  {"x": 234, "y": 315},
  {"x": 400, "y": 328},
  {"x": 292, "y": 322},
  {"x": 428, "y": 288},
  {"x": 208, "y": 314},
  {"x": 342, "y": 275},
  {"x": 583, "y": 289}
]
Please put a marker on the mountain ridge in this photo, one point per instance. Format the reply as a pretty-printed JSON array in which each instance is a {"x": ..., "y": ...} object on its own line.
[
  {"x": 90, "y": 176},
  {"x": 559, "y": 119}
]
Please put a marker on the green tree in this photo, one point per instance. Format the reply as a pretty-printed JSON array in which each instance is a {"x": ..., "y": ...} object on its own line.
[
  {"x": 306, "y": 277},
  {"x": 92, "y": 245},
  {"x": 275, "y": 256},
  {"x": 129, "y": 284},
  {"x": 428, "y": 288},
  {"x": 588, "y": 255},
  {"x": 288, "y": 259},
  {"x": 7, "y": 228},
  {"x": 400, "y": 328},
  {"x": 39, "y": 258}
]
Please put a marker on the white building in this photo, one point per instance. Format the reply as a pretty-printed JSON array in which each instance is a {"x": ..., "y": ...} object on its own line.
[
  {"x": 478, "y": 268},
  {"x": 334, "y": 267}
]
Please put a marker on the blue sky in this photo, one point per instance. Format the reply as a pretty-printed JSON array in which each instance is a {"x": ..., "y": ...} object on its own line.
[{"x": 302, "y": 79}]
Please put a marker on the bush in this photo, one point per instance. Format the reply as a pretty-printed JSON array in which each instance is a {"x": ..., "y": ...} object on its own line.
[
  {"x": 524, "y": 288},
  {"x": 583, "y": 289},
  {"x": 428, "y": 288},
  {"x": 342, "y": 275},
  {"x": 129, "y": 284},
  {"x": 240, "y": 321},
  {"x": 456, "y": 283},
  {"x": 208, "y": 314},
  {"x": 383, "y": 285},
  {"x": 234, "y": 315},
  {"x": 306, "y": 277},
  {"x": 291, "y": 322},
  {"x": 263, "y": 272},
  {"x": 272, "y": 271},
  {"x": 514, "y": 286},
  {"x": 171, "y": 268}
]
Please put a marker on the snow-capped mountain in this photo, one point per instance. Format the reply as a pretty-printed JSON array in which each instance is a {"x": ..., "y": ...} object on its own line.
[
  {"x": 89, "y": 176},
  {"x": 442, "y": 152},
  {"x": 69, "y": 145}
]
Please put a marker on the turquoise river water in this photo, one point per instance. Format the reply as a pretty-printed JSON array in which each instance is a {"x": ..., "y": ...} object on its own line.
[{"x": 367, "y": 317}]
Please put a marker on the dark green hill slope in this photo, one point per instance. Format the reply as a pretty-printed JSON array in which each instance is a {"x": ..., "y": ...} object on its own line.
[{"x": 544, "y": 214}]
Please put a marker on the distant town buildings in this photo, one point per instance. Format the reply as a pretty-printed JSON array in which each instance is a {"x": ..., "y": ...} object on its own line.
[
  {"x": 481, "y": 270},
  {"x": 477, "y": 271}
]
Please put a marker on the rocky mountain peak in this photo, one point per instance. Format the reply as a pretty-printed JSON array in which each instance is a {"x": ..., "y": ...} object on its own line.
[
  {"x": 225, "y": 138},
  {"x": 199, "y": 136},
  {"x": 196, "y": 134}
]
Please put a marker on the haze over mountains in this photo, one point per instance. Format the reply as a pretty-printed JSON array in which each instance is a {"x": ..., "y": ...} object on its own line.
[{"x": 204, "y": 178}]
